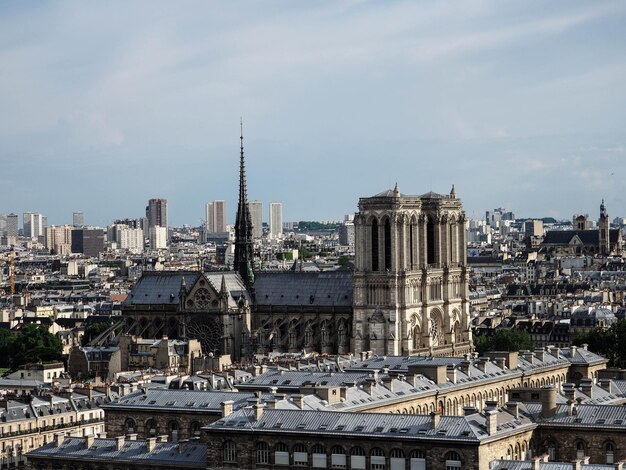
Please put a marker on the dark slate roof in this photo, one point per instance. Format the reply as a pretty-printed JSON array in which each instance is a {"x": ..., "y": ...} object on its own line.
[
  {"x": 586, "y": 416},
  {"x": 587, "y": 237},
  {"x": 349, "y": 424},
  {"x": 394, "y": 427},
  {"x": 323, "y": 289},
  {"x": 530, "y": 465},
  {"x": 179, "y": 400},
  {"x": 159, "y": 287},
  {"x": 194, "y": 454},
  {"x": 432, "y": 195}
]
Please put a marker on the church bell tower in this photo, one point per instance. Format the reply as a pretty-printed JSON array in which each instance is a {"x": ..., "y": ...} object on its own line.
[{"x": 411, "y": 276}]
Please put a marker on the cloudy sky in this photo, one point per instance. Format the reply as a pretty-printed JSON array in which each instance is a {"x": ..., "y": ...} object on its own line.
[{"x": 106, "y": 104}]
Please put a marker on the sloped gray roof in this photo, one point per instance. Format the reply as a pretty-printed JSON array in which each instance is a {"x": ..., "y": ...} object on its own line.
[
  {"x": 205, "y": 401},
  {"x": 159, "y": 287},
  {"x": 323, "y": 289},
  {"x": 373, "y": 425},
  {"x": 529, "y": 465},
  {"x": 194, "y": 454}
]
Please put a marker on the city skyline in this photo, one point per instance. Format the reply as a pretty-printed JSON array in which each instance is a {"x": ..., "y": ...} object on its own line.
[{"x": 520, "y": 106}]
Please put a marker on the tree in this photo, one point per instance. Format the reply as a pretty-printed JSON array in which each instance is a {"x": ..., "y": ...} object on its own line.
[
  {"x": 34, "y": 343},
  {"x": 503, "y": 340},
  {"x": 609, "y": 342},
  {"x": 94, "y": 330}
]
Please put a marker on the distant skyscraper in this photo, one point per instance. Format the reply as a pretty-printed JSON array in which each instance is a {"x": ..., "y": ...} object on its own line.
[
  {"x": 78, "y": 219},
  {"x": 59, "y": 239},
  {"x": 276, "y": 219},
  {"x": 33, "y": 225},
  {"x": 158, "y": 238},
  {"x": 256, "y": 214},
  {"x": 156, "y": 212},
  {"x": 89, "y": 241},
  {"x": 215, "y": 213},
  {"x": 13, "y": 225}
]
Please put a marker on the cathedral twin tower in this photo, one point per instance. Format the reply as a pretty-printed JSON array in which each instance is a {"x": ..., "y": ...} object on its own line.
[{"x": 410, "y": 280}]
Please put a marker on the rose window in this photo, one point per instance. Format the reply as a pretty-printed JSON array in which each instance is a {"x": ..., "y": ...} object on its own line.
[{"x": 202, "y": 298}]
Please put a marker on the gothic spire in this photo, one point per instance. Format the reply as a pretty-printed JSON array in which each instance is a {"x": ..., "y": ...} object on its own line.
[{"x": 243, "y": 225}]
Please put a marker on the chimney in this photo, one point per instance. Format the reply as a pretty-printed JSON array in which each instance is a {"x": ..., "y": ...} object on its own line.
[
  {"x": 411, "y": 379},
  {"x": 569, "y": 391},
  {"x": 258, "y": 411},
  {"x": 576, "y": 464},
  {"x": 585, "y": 346},
  {"x": 368, "y": 385},
  {"x": 343, "y": 392},
  {"x": 388, "y": 383},
  {"x": 298, "y": 400},
  {"x": 162, "y": 438},
  {"x": 119, "y": 442},
  {"x": 469, "y": 410},
  {"x": 528, "y": 356},
  {"x": 89, "y": 441},
  {"x": 227, "y": 408},
  {"x": 548, "y": 401},
  {"x": 434, "y": 419},
  {"x": 572, "y": 351},
  {"x": 451, "y": 373},
  {"x": 270, "y": 404},
  {"x": 256, "y": 371},
  {"x": 540, "y": 354},
  {"x": 131, "y": 437},
  {"x": 513, "y": 408},
  {"x": 537, "y": 461},
  {"x": 571, "y": 407},
  {"x": 58, "y": 439},
  {"x": 491, "y": 422},
  {"x": 465, "y": 367},
  {"x": 263, "y": 368},
  {"x": 482, "y": 364},
  {"x": 363, "y": 356},
  {"x": 150, "y": 444},
  {"x": 500, "y": 362},
  {"x": 607, "y": 384},
  {"x": 375, "y": 375},
  {"x": 619, "y": 465},
  {"x": 586, "y": 386},
  {"x": 182, "y": 446}
]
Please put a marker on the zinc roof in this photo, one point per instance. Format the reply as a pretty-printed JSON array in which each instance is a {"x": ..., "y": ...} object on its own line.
[
  {"x": 325, "y": 289},
  {"x": 194, "y": 455}
]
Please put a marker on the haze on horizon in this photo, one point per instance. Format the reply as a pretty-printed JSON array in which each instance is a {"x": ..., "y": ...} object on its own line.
[{"x": 107, "y": 104}]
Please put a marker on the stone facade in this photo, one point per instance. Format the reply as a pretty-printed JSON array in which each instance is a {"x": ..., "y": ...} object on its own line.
[{"x": 410, "y": 280}]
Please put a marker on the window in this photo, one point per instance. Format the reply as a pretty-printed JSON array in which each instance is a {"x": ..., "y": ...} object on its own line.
[
  {"x": 319, "y": 456},
  {"x": 453, "y": 461},
  {"x": 300, "y": 456},
  {"x": 129, "y": 426},
  {"x": 229, "y": 451},
  {"x": 418, "y": 462},
  {"x": 377, "y": 459},
  {"x": 580, "y": 450},
  {"x": 151, "y": 428},
  {"x": 374, "y": 245},
  {"x": 357, "y": 458},
  {"x": 262, "y": 453},
  {"x": 338, "y": 457},
  {"x": 281, "y": 454},
  {"x": 609, "y": 449},
  {"x": 397, "y": 460},
  {"x": 430, "y": 241},
  {"x": 387, "y": 232}
]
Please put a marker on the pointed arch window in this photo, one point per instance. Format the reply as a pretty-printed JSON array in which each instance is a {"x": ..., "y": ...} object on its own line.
[
  {"x": 374, "y": 240},
  {"x": 430, "y": 241},
  {"x": 387, "y": 232}
]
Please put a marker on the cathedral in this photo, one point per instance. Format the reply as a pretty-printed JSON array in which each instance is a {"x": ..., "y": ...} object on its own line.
[{"x": 408, "y": 294}]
